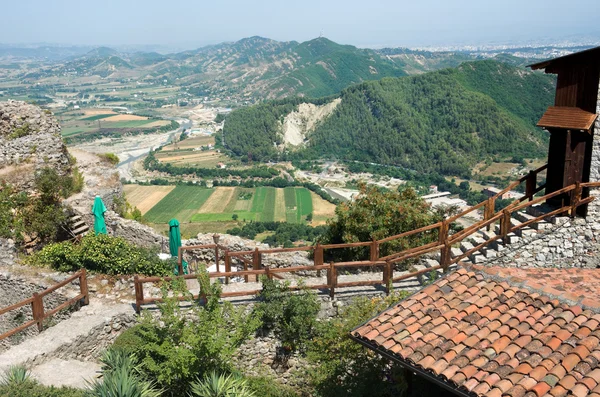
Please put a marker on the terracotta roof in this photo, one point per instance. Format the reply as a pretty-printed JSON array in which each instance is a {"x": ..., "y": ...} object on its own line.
[
  {"x": 484, "y": 336},
  {"x": 567, "y": 118}
]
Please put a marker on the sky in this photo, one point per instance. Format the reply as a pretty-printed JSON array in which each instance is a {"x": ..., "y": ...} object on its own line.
[{"x": 364, "y": 23}]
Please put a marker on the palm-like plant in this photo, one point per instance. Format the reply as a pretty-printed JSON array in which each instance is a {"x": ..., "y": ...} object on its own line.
[
  {"x": 15, "y": 375},
  {"x": 121, "y": 378},
  {"x": 215, "y": 385}
]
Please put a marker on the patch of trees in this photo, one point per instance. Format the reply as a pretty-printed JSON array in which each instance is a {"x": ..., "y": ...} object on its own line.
[
  {"x": 284, "y": 234},
  {"x": 443, "y": 121}
]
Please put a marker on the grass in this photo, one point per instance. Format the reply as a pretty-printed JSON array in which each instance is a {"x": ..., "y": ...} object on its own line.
[
  {"x": 181, "y": 203},
  {"x": 224, "y": 216}
]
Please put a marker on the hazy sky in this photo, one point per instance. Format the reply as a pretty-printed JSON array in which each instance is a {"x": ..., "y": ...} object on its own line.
[{"x": 371, "y": 23}]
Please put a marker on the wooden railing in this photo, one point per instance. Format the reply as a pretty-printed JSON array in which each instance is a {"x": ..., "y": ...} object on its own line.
[
  {"x": 252, "y": 261},
  {"x": 37, "y": 303}
]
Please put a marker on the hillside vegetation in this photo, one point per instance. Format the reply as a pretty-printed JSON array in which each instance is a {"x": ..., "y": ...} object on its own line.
[{"x": 443, "y": 121}]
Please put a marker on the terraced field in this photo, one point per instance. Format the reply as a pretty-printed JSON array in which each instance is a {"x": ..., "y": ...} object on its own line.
[{"x": 181, "y": 203}]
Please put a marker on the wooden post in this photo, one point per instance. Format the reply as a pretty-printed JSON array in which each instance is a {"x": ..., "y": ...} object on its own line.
[
  {"x": 267, "y": 273},
  {"x": 491, "y": 210},
  {"x": 83, "y": 287},
  {"x": 180, "y": 261},
  {"x": 445, "y": 256},
  {"x": 256, "y": 260},
  {"x": 575, "y": 198},
  {"x": 245, "y": 269},
  {"x": 387, "y": 276},
  {"x": 332, "y": 279},
  {"x": 530, "y": 183},
  {"x": 37, "y": 309},
  {"x": 217, "y": 257},
  {"x": 443, "y": 235},
  {"x": 318, "y": 257},
  {"x": 374, "y": 250},
  {"x": 227, "y": 265},
  {"x": 505, "y": 225},
  {"x": 139, "y": 294}
]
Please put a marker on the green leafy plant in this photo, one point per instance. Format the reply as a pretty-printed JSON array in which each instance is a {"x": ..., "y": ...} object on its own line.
[
  {"x": 15, "y": 375},
  {"x": 20, "y": 132},
  {"x": 121, "y": 378},
  {"x": 17, "y": 382},
  {"x": 221, "y": 385},
  {"x": 265, "y": 386},
  {"x": 103, "y": 254},
  {"x": 177, "y": 347},
  {"x": 342, "y": 367},
  {"x": 292, "y": 316},
  {"x": 111, "y": 158}
]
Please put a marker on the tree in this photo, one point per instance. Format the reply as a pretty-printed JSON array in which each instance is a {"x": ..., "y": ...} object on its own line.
[
  {"x": 234, "y": 217},
  {"x": 376, "y": 214}
]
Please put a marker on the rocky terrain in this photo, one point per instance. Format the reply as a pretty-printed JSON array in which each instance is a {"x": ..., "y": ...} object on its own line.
[{"x": 29, "y": 140}]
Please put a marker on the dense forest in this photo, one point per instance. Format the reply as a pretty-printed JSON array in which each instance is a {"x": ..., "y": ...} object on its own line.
[{"x": 443, "y": 121}]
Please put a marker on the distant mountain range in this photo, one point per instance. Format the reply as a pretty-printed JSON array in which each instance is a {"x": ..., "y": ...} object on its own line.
[
  {"x": 252, "y": 67},
  {"x": 444, "y": 121}
]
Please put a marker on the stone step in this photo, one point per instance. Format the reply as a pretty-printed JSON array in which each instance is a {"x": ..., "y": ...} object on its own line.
[
  {"x": 477, "y": 258},
  {"x": 77, "y": 225},
  {"x": 466, "y": 246},
  {"x": 81, "y": 230},
  {"x": 75, "y": 218},
  {"x": 431, "y": 263},
  {"x": 454, "y": 252}
]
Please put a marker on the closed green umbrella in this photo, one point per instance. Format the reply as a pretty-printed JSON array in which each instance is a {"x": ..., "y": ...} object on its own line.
[
  {"x": 98, "y": 209},
  {"x": 175, "y": 243}
]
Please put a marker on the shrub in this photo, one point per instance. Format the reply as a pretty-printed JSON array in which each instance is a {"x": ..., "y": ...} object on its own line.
[
  {"x": 342, "y": 367},
  {"x": 215, "y": 385},
  {"x": 103, "y": 254},
  {"x": 267, "y": 387},
  {"x": 175, "y": 348},
  {"x": 292, "y": 316},
  {"x": 110, "y": 158}
]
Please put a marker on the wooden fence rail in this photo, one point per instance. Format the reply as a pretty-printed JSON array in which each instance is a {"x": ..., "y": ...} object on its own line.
[
  {"x": 37, "y": 303},
  {"x": 253, "y": 260}
]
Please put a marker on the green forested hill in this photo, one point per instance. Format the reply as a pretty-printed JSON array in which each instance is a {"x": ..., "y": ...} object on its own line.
[{"x": 444, "y": 121}]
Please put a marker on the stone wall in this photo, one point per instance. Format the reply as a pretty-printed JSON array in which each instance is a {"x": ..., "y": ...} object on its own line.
[
  {"x": 90, "y": 347},
  {"x": 14, "y": 290},
  {"x": 40, "y": 146},
  {"x": 8, "y": 251},
  {"x": 595, "y": 170}
]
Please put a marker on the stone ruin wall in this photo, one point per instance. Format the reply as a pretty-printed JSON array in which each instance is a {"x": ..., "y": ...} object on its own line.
[{"x": 41, "y": 147}]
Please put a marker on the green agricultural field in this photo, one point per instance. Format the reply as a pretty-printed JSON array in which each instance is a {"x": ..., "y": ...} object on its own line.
[
  {"x": 98, "y": 117},
  {"x": 221, "y": 204},
  {"x": 181, "y": 203},
  {"x": 128, "y": 123},
  {"x": 305, "y": 205}
]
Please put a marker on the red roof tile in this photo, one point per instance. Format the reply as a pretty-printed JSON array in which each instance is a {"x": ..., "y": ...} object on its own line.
[{"x": 489, "y": 338}]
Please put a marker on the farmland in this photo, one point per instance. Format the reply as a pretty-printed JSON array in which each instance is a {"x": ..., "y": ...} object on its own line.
[
  {"x": 192, "y": 151},
  {"x": 79, "y": 123},
  {"x": 194, "y": 205}
]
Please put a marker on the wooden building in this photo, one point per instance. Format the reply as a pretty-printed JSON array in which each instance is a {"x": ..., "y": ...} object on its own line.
[{"x": 571, "y": 121}]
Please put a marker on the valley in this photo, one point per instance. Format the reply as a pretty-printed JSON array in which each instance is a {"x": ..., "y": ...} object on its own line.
[{"x": 264, "y": 118}]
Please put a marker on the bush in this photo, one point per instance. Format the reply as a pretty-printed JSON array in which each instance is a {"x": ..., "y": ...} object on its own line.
[
  {"x": 111, "y": 158},
  {"x": 267, "y": 387},
  {"x": 175, "y": 348},
  {"x": 292, "y": 316},
  {"x": 342, "y": 367},
  {"x": 103, "y": 254}
]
